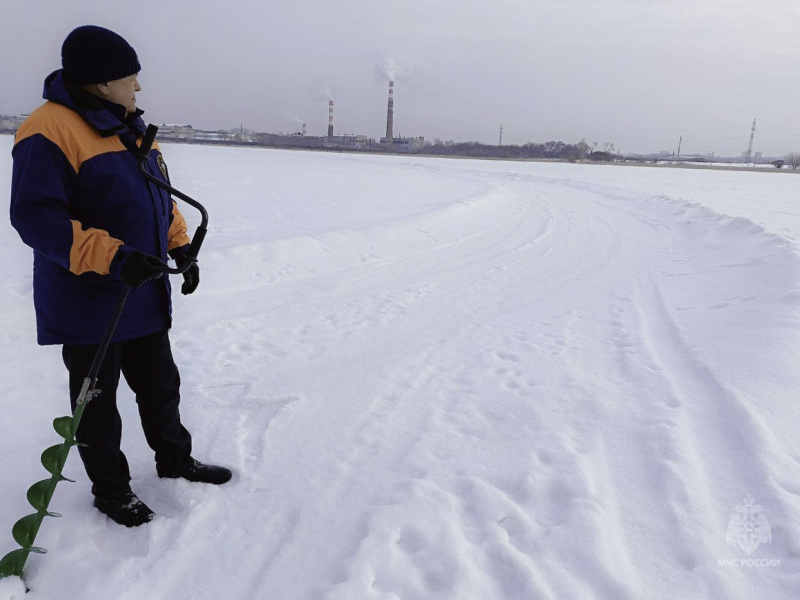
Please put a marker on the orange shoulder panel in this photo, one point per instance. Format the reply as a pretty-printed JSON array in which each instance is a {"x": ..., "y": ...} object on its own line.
[{"x": 78, "y": 140}]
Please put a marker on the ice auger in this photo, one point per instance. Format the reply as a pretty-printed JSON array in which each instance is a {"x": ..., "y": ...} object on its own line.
[{"x": 55, "y": 457}]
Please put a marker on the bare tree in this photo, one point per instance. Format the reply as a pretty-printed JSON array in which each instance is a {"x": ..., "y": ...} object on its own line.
[
  {"x": 793, "y": 159},
  {"x": 583, "y": 149}
]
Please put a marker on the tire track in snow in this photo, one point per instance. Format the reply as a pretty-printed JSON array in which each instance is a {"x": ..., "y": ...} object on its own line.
[
  {"x": 725, "y": 444},
  {"x": 698, "y": 429},
  {"x": 652, "y": 343},
  {"x": 348, "y": 311},
  {"x": 498, "y": 251},
  {"x": 513, "y": 562}
]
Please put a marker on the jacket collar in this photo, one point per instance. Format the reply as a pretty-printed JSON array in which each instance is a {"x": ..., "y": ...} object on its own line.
[{"x": 107, "y": 117}]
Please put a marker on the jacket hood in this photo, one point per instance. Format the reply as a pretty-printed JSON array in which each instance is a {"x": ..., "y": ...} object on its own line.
[{"x": 107, "y": 117}]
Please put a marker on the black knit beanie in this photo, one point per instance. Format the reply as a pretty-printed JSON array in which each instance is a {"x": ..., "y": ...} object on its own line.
[{"x": 92, "y": 54}]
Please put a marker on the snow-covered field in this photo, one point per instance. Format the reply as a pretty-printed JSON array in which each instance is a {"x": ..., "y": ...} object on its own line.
[{"x": 448, "y": 379}]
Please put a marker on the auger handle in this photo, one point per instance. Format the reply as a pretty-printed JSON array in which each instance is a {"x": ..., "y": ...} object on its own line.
[{"x": 200, "y": 232}]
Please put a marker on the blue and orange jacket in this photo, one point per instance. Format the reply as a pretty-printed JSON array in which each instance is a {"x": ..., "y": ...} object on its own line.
[{"x": 78, "y": 199}]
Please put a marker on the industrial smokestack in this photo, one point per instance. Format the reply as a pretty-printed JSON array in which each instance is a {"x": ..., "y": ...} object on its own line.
[
  {"x": 304, "y": 130},
  {"x": 390, "y": 114},
  {"x": 330, "y": 119}
]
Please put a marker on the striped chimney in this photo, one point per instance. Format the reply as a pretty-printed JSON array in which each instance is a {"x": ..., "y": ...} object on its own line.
[
  {"x": 390, "y": 114},
  {"x": 330, "y": 118}
]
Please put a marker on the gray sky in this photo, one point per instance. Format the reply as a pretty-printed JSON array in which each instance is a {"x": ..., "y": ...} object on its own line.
[{"x": 636, "y": 73}]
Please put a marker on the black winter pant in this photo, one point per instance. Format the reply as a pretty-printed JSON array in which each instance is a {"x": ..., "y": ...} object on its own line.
[{"x": 152, "y": 375}]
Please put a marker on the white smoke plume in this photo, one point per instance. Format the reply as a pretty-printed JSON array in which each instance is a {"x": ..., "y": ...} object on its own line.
[
  {"x": 394, "y": 67},
  {"x": 323, "y": 95}
]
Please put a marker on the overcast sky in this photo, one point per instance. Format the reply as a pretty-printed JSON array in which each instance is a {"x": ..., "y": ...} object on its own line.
[{"x": 636, "y": 73}]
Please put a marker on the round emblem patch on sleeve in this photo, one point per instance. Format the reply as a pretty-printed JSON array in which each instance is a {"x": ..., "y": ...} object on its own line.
[{"x": 163, "y": 166}]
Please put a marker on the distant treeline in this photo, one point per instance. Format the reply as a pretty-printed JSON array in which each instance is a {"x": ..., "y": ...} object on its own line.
[{"x": 552, "y": 150}]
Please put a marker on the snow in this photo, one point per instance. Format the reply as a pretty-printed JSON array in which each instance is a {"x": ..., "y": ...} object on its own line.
[{"x": 444, "y": 378}]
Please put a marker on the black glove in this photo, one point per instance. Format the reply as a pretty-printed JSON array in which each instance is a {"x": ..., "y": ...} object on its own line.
[
  {"x": 191, "y": 276},
  {"x": 139, "y": 268}
]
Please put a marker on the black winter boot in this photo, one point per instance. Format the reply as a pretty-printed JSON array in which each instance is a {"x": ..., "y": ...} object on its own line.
[
  {"x": 194, "y": 470},
  {"x": 125, "y": 508}
]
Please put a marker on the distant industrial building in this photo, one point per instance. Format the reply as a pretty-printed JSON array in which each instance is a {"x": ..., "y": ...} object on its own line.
[
  {"x": 404, "y": 144},
  {"x": 10, "y": 124},
  {"x": 177, "y": 132},
  {"x": 354, "y": 142}
]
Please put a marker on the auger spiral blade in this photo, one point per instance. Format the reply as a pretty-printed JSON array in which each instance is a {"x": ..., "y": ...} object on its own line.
[
  {"x": 40, "y": 494},
  {"x": 66, "y": 427},
  {"x": 25, "y": 530},
  {"x": 13, "y": 563},
  {"x": 54, "y": 459}
]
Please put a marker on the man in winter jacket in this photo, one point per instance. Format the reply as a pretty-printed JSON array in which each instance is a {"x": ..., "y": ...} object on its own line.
[{"x": 96, "y": 225}]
